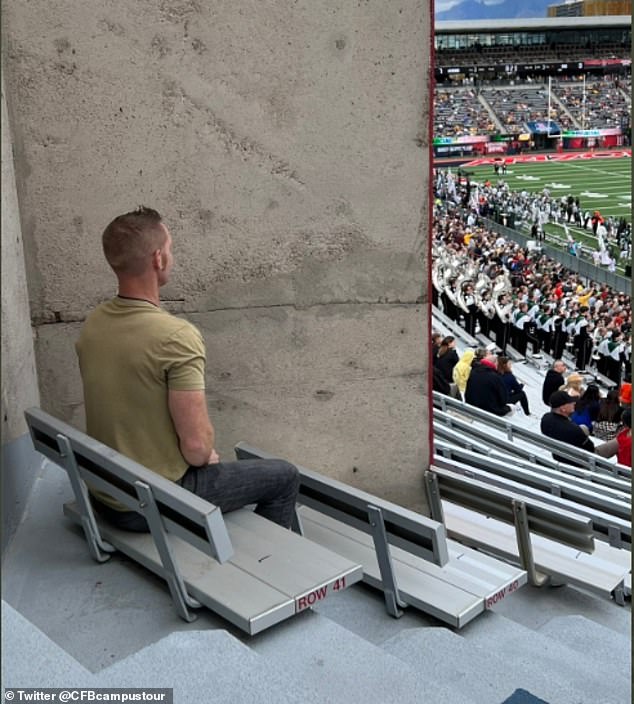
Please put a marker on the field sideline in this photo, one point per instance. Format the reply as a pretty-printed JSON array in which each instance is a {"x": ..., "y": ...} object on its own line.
[
  {"x": 603, "y": 184},
  {"x": 601, "y": 181}
]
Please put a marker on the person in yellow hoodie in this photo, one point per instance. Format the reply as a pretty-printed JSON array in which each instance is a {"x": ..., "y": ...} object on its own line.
[
  {"x": 584, "y": 297},
  {"x": 462, "y": 370}
]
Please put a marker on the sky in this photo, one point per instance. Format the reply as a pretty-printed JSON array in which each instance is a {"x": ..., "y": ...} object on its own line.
[{"x": 442, "y": 5}]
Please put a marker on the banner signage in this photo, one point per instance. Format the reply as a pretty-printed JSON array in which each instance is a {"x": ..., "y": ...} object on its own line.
[
  {"x": 543, "y": 127},
  {"x": 463, "y": 139},
  {"x": 607, "y": 62},
  {"x": 453, "y": 149},
  {"x": 608, "y": 132},
  {"x": 545, "y": 67}
]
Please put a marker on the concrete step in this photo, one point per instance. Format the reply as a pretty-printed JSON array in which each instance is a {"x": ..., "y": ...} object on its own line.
[
  {"x": 361, "y": 610},
  {"x": 204, "y": 666},
  {"x": 539, "y": 605},
  {"x": 545, "y": 667},
  {"x": 31, "y": 659},
  {"x": 607, "y": 648},
  {"x": 335, "y": 665},
  {"x": 490, "y": 665}
]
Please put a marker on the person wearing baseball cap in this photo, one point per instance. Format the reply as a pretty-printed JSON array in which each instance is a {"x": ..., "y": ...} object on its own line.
[{"x": 556, "y": 424}]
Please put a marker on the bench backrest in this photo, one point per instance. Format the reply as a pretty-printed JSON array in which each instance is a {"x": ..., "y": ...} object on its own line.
[
  {"x": 448, "y": 441},
  {"x": 405, "y": 529},
  {"x": 610, "y": 519},
  {"x": 466, "y": 434},
  {"x": 581, "y": 491},
  {"x": 513, "y": 432},
  {"x": 183, "y": 513},
  {"x": 554, "y": 523}
]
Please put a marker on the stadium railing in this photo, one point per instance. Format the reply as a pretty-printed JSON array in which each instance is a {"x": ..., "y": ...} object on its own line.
[{"x": 581, "y": 266}]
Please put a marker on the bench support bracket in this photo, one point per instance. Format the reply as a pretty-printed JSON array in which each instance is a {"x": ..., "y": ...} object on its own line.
[
  {"x": 614, "y": 537},
  {"x": 522, "y": 532},
  {"x": 393, "y": 603},
  {"x": 99, "y": 549},
  {"x": 182, "y": 600},
  {"x": 619, "y": 594},
  {"x": 296, "y": 523},
  {"x": 433, "y": 497}
]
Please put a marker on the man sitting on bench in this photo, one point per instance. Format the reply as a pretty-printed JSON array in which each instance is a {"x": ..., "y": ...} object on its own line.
[{"x": 143, "y": 374}]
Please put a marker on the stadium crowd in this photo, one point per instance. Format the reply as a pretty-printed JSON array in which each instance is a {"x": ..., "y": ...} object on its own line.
[
  {"x": 606, "y": 102},
  {"x": 496, "y": 201},
  {"x": 523, "y": 298},
  {"x": 483, "y": 110},
  {"x": 517, "y": 106},
  {"x": 459, "y": 113}
]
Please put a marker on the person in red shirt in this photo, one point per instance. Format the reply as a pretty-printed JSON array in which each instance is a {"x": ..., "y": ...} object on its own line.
[
  {"x": 625, "y": 393},
  {"x": 624, "y": 440}
]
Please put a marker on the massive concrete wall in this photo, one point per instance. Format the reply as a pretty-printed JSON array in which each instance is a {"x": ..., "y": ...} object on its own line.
[
  {"x": 286, "y": 145},
  {"x": 19, "y": 378}
]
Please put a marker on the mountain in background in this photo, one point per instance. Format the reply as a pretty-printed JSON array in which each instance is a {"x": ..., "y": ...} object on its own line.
[{"x": 474, "y": 10}]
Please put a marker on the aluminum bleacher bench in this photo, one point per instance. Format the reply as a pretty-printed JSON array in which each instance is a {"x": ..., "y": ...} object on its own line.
[
  {"x": 610, "y": 511},
  {"x": 243, "y": 567},
  {"x": 448, "y": 440},
  {"x": 540, "y": 443},
  {"x": 454, "y": 327},
  {"x": 404, "y": 554},
  {"x": 601, "y": 378},
  {"x": 551, "y": 543}
]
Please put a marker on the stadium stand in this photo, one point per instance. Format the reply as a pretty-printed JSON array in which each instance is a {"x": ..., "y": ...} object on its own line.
[
  {"x": 458, "y": 112},
  {"x": 102, "y": 623},
  {"x": 508, "y": 108},
  {"x": 607, "y": 102}
]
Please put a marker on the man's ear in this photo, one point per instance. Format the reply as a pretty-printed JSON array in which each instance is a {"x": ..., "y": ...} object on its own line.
[{"x": 157, "y": 260}]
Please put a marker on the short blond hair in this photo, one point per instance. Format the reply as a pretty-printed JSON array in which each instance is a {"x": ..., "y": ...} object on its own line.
[{"x": 130, "y": 239}]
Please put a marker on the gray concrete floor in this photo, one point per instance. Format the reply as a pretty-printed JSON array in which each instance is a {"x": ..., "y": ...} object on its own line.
[{"x": 102, "y": 613}]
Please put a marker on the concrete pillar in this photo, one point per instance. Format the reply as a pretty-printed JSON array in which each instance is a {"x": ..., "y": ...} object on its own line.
[
  {"x": 286, "y": 146},
  {"x": 19, "y": 380}
]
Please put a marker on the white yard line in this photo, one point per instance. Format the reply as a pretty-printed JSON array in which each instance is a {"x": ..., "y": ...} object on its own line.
[{"x": 587, "y": 167}]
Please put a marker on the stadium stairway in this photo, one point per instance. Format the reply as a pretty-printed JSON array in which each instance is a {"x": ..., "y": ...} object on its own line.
[
  {"x": 492, "y": 114},
  {"x": 70, "y": 622}
]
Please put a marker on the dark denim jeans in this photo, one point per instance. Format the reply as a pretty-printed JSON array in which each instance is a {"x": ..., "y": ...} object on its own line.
[{"x": 271, "y": 485}]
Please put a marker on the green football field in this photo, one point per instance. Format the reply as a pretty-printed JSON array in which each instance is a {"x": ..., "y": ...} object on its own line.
[{"x": 601, "y": 184}]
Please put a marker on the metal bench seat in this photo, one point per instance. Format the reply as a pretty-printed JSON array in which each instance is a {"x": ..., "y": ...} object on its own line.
[
  {"x": 468, "y": 584},
  {"x": 247, "y": 569},
  {"x": 550, "y": 542},
  {"x": 404, "y": 554},
  {"x": 604, "y": 572},
  {"x": 609, "y": 511},
  {"x": 532, "y": 446},
  {"x": 448, "y": 443},
  {"x": 272, "y": 575}
]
